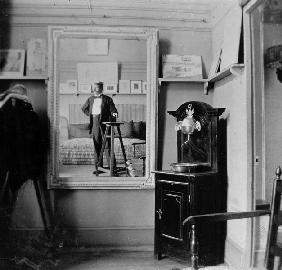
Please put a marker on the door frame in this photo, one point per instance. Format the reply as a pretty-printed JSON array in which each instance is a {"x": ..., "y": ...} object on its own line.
[{"x": 248, "y": 8}]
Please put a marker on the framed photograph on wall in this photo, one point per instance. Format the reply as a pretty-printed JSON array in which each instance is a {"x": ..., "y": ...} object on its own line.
[
  {"x": 65, "y": 89},
  {"x": 72, "y": 86},
  {"x": 215, "y": 66},
  {"x": 36, "y": 57},
  {"x": 124, "y": 86},
  {"x": 84, "y": 88},
  {"x": 110, "y": 88},
  {"x": 12, "y": 62},
  {"x": 144, "y": 87},
  {"x": 135, "y": 87}
]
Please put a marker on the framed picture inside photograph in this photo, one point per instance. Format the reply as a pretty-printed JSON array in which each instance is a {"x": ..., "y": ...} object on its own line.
[
  {"x": 12, "y": 62},
  {"x": 124, "y": 86},
  {"x": 72, "y": 86},
  {"x": 110, "y": 88},
  {"x": 64, "y": 88},
  {"x": 84, "y": 88},
  {"x": 135, "y": 87},
  {"x": 215, "y": 66},
  {"x": 36, "y": 57},
  {"x": 144, "y": 87}
]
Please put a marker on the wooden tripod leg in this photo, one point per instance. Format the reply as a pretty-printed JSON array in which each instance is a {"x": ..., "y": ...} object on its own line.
[
  {"x": 107, "y": 147},
  {"x": 42, "y": 209},
  {"x": 112, "y": 154},
  {"x": 100, "y": 158},
  {"x": 121, "y": 144}
]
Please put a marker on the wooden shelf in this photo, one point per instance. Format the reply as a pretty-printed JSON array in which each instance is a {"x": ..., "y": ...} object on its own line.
[
  {"x": 128, "y": 94},
  {"x": 235, "y": 69},
  {"x": 25, "y": 78},
  {"x": 232, "y": 69},
  {"x": 107, "y": 94},
  {"x": 161, "y": 80}
]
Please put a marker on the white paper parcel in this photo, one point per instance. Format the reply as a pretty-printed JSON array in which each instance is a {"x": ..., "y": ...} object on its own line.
[{"x": 182, "y": 66}]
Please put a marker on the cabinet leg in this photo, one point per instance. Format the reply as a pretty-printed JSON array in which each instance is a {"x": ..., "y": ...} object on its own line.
[
  {"x": 159, "y": 255},
  {"x": 194, "y": 245}
]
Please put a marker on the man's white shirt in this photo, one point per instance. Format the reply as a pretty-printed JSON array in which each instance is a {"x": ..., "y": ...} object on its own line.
[{"x": 96, "y": 108}]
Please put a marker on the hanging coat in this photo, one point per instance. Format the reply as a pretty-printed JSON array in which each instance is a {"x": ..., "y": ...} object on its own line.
[{"x": 21, "y": 151}]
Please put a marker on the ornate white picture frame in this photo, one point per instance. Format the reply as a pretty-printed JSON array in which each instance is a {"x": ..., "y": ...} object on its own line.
[{"x": 56, "y": 35}]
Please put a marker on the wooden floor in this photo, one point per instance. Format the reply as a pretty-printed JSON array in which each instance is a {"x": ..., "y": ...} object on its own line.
[
  {"x": 110, "y": 259},
  {"x": 100, "y": 259},
  {"x": 81, "y": 170},
  {"x": 117, "y": 260},
  {"x": 87, "y": 171}
]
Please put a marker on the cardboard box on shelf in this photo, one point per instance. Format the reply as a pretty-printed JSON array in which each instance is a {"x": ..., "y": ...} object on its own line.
[{"x": 182, "y": 66}]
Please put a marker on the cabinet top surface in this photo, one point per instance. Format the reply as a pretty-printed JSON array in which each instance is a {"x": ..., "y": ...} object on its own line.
[{"x": 195, "y": 174}]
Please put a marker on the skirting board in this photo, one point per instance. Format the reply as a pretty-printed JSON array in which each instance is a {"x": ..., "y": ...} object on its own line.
[
  {"x": 116, "y": 236},
  {"x": 259, "y": 258},
  {"x": 234, "y": 255},
  {"x": 91, "y": 237}
]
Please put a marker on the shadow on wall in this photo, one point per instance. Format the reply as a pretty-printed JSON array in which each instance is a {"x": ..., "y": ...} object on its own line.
[
  {"x": 4, "y": 34},
  {"x": 165, "y": 47}
]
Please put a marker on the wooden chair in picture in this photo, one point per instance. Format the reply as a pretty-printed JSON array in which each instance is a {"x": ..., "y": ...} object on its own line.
[{"x": 273, "y": 248}]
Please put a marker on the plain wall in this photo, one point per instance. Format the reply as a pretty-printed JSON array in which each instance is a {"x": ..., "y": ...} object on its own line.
[
  {"x": 231, "y": 93},
  {"x": 174, "y": 94}
]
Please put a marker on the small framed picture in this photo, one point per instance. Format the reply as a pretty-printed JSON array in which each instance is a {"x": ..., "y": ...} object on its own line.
[
  {"x": 64, "y": 89},
  {"x": 215, "y": 66},
  {"x": 84, "y": 88},
  {"x": 110, "y": 88},
  {"x": 124, "y": 86},
  {"x": 72, "y": 86},
  {"x": 36, "y": 57},
  {"x": 144, "y": 87},
  {"x": 12, "y": 62},
  {"x": 135, "y": 87}
]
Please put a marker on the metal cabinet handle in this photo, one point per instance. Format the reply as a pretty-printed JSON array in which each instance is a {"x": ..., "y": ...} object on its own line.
[{"x": 159, "y": 212}]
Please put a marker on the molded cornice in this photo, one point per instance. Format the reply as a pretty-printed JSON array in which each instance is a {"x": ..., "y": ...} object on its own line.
[{"x": 165, "y": 16}]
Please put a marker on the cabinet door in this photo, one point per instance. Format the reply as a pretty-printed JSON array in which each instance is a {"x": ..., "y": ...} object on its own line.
[{"x": 174, "y": 208}]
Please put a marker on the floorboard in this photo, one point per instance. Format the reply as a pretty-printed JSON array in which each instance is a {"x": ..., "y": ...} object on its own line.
[{"x": 108, "y": 259}]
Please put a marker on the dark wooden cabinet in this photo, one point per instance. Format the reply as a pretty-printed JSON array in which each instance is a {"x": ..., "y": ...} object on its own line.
[
  {"x": 179, "y": 195},
  {"x": 195, "y": 185}
]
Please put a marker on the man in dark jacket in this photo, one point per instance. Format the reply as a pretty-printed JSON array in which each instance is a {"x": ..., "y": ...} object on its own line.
[{"x": 100, "y": 108}]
